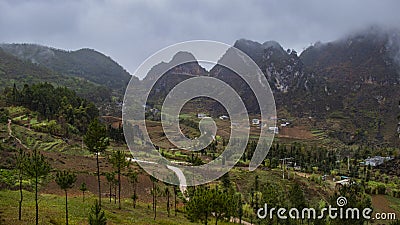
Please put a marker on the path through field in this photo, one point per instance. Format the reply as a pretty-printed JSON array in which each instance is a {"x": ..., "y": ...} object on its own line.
[
  {"x": 176, "y": 170},
  {"x": 11, "y": 135}
]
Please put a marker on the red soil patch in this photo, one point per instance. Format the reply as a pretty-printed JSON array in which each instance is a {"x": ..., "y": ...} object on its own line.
[
  {"x": 115, "y": 122},
  {"x": 85, "y": 168},
  {"x": 381, "y": 204},
  {"x": 143, "y": 187},
  {"x": 295, "y": 133}
]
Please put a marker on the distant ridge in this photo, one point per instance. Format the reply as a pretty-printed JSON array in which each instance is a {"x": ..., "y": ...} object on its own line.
[{"x": 85, "y": 63}]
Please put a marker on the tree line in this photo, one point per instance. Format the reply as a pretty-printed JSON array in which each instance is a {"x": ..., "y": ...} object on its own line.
[{"x": 54, "y": 103}]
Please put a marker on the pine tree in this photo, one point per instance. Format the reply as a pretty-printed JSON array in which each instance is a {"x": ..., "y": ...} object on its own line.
[
  {"x": 154, "y": 192},
  {"x": 356, "y": 198},
  {"x": 96, "y": 141},
  {"x": 36, "y": 168},
  {"x": 221, "y": 204},
  {"x": 168, "y": 195},
  {"x": 110, "y": 179},
  {"x": 119, "y": 162},
  {"x": 133, "y": 179},
  {"x": 66, "y": 181},
  {"x": 296, "y": 197},
  {"x": 19, "y": 166},
  {"x": 115, "y": 184},
  {"x": 15, "y": 95},
  {"x": 256, "y": 183},
  {"x": 83, "y": 188},
  {"x": 175, "y": 199},
  {"x": 239, "y": 206},
  {"x": 199, "y": 207},
  {"x": 226, "y": 182},
  {"x": 96, "y": 215}
]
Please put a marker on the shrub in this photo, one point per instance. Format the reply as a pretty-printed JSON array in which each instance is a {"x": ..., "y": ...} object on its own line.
[
  {"x": 4, "y": 115},
  {"x": 381, "y": 189},
  {"x": 396, "y": 193},
  {"x": 97, "y": 216},
  {"x": 368, "y": 190}
]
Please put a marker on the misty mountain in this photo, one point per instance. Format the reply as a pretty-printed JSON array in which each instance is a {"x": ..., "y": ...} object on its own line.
[
  {"x": 349, "y": 87},
  {"x": 358, "y": 84},
  {"x": 282, "y": 69},
  {"x": 16, "y": 71},
  {"x": 170, "y": 74},
  {"x": 84, "y": 63}
]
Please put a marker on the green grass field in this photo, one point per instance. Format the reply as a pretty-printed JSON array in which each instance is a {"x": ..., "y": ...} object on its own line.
[
  {"x": 394, "y": 203},
  {"x": 52, "y": 210}
]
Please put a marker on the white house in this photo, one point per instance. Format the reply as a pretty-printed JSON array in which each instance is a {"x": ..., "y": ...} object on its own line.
[
  {"x": 275, "y": 130},
  {"x": 223, "y": 117},
  {"x": 201, "y": 115},
  {"x": 255, "y": 121},
  {"x": 376, "y": 160},
  {"x": 342, "y": 182}
]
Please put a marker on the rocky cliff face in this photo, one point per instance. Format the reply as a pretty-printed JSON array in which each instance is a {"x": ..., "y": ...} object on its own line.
[
  {"x": 349, "y": 87},
  {"x": 359, "y": 84},
  {"x": 170, "y": 74},
  {"x": 283, "y": 69}
]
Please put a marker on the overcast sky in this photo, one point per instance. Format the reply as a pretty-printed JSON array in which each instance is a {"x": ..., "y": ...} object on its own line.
[{"x": 131, "y": 31}]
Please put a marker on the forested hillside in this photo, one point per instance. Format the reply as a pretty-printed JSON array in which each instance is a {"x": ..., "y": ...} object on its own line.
[
  {"x": 20, "y": 72},
  {"x": 84, "y": 63}
]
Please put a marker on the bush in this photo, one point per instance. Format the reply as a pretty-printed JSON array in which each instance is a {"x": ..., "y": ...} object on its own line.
[
  {"x": 316, "y": 178},
  {"x": 97, "y": 216},
  {"x": 368, "y": 190},
  {"x": 381, "y": 189},
  {"x": 396, "y": 193},
  {"x": 51, "y": 127},
  {"x": 4, "y": 115},
  {"x": 8, "y": 177}
]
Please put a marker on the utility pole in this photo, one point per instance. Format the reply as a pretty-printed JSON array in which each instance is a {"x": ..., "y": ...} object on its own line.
[
  {"x": 348, "y": 164},
  {"x": 283, "y": 166}
]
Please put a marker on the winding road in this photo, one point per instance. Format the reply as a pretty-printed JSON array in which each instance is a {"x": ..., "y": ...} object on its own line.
[
  {"x": 183, "y": 185},
  {"x": 176, "y": 170},
  {"x": 11, "y": 135},
  {"x": 182, "y": 180}
]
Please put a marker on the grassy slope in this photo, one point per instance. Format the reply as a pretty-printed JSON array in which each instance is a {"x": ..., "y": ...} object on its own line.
[{"x": 52, "y": 210}]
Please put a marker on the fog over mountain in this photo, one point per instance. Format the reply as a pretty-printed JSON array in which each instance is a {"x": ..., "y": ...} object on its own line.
[
  {"x": 348, "y": 87},
  {"x": 130, "y": 31}
]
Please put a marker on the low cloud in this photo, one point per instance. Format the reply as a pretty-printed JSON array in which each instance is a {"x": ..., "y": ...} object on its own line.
[{"x": 130, "y": 31}]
